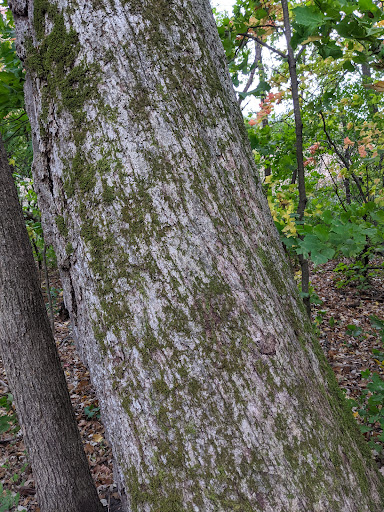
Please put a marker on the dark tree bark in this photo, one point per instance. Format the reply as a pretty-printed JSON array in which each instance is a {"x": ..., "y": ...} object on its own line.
[
  {"x": 299, "y": 149},
  {"x": 33, "y": 368},
  {"x": 214, "y": 394},
  {"x": 347, "y": 188}
]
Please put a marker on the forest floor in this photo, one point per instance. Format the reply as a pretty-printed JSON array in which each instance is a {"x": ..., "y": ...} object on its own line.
[{"x": 348, "y": 355}]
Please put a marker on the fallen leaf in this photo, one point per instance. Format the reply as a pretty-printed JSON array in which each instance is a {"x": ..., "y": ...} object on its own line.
[{"x": 88, "y": 448}]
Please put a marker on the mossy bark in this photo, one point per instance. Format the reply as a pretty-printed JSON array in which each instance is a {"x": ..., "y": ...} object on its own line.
[{"x": 214, "y": 394}]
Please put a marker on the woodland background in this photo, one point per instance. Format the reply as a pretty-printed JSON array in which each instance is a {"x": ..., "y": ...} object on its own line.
[{"x": 319, "y": 149}]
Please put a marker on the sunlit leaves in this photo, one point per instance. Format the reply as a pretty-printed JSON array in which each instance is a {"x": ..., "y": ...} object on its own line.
[
  {"x": 14, "y": 124},
  {"x": 309, "y": 16},
  {"x": 12, "y": 74},
  {"x": 319, "y": 20}
]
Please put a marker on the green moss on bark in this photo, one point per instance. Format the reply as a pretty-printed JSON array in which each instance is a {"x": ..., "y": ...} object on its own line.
[{"x": 61, "y": 226}]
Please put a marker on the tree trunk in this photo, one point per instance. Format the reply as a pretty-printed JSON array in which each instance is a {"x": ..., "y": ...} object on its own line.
[
  {"x": 213, "y": 393},
  {"x": 347, "y": 188},
  {"x": 33, "y": 368},
  {"x": 304, "y": 265}
]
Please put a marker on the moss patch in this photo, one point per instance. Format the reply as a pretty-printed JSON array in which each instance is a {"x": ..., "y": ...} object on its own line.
[{"x": 61, "y": 226}]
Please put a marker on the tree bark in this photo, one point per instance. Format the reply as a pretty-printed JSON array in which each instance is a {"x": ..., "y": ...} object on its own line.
[
  {"x": 214, "y": 395},
  {"x": 347, "y": 188},
  {"x": 33, "y": 368}
]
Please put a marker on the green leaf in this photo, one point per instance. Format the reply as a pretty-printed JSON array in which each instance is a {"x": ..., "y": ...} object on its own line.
[
  {"x": 326, "y": 254},
  {"x": 262, "y": 87},
  {"x": 260, "y": 14},
  {"x": 378, "y": 216},
  {"x": 330, "y": 49},
  {"x": 322, "y": 232},
  {"x": 319, "y": 252},
  {"x": 376, "y": 322},
  {"x": 367, "y": 5},
  {"x": 5, "y": 424},
  {"x": 348, "y": 66},
  {"x": 351, "y": 28},
  {"x": 308, "y": 16},
  {"x": 354, "y": 330}
]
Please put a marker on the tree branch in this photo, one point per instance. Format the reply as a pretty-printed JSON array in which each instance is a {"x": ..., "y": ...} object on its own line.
[
  {"x": 300, "y": 52},
  {"x": 337, "y": 151},
  {"x": 275, "y": 50},
  {"x": 251, "y": 77},
  {"x": 336, "y": 189},
  {"x": 341, "y": 156}
]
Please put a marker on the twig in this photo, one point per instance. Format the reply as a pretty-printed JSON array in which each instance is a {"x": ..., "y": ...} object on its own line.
[
  {"x": 242, "y": 44},
  {"x": 341, "y": 156},
  {"x": 300, "y": 52},
  {"x": 250, "y": 79},
  {"x": 275, "y": 50},
  {"x": 334, "y": 184},
  {"x": 14, "y": 133},
  {"x": 338, "y": 153}
]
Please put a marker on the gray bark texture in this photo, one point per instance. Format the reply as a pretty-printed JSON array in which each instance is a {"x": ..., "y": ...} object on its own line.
[
  {"x": 60, "y": 467},
  {"x": 214, "y": 394}
]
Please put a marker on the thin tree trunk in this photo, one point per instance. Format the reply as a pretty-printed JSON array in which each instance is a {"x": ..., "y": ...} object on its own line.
[
  {"x": 299, "y": 150},
  {"x": 366, "y": 70},
  {"x": 347, "y": 188},
  {"x": 213, "y": 393},
  {"x": 34, "y": 372}
]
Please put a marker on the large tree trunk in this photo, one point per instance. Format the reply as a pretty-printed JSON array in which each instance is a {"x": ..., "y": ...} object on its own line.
[
  {"x": 33, "y": 368},
  {"x": 213, "y": 393}
]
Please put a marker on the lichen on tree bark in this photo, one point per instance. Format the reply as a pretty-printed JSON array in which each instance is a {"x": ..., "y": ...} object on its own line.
[{"x": 213, "y": 392}]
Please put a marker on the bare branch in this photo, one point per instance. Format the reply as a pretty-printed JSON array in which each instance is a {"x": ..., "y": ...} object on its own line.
[
  {"x": 332, "y": 144},
  {"x": 336, "y": 188},
  {"x": 341, "y": 156},
  {"x": 250, "y": 79},
  {"x": 300, "y": 52},
  {"x": 275, "y": 50}
]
